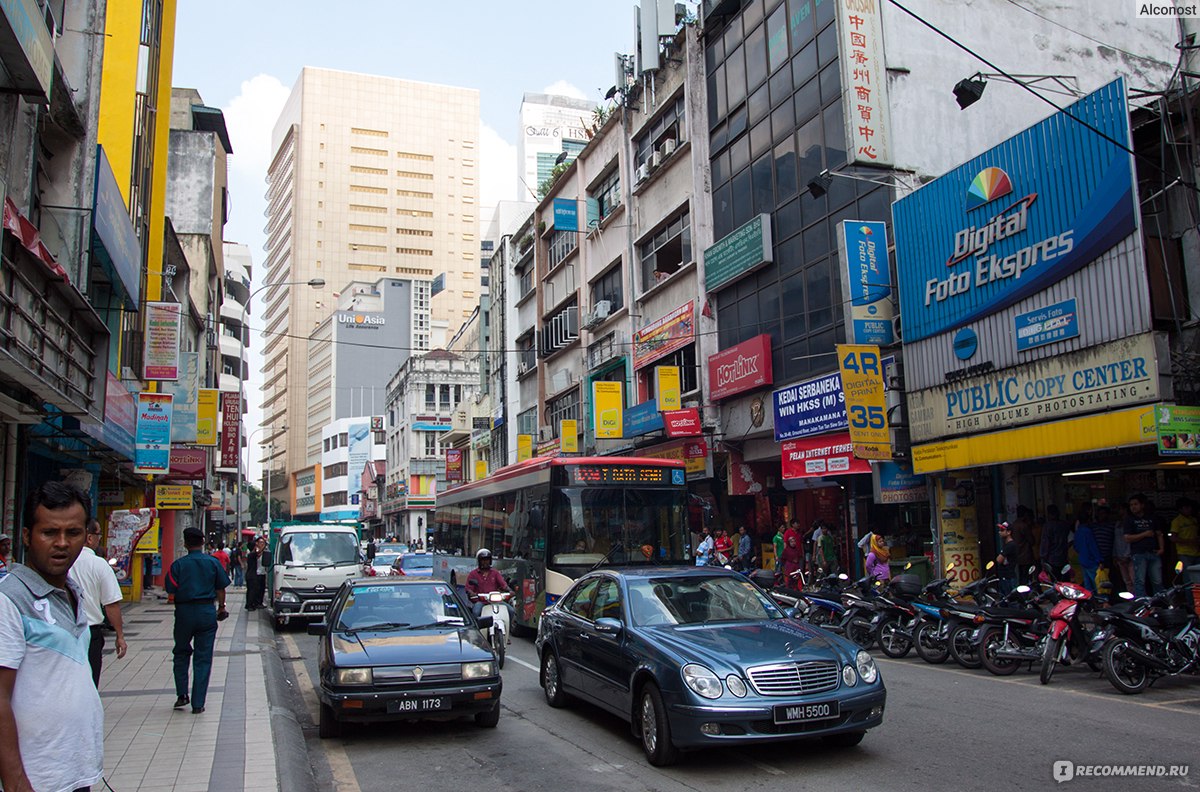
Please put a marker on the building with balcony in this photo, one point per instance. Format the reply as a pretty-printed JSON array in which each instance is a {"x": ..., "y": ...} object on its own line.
[
  {"x": 234, "y": 339},
  {"x": 372, "y": 177},
  {"x": 421, "y": 400}
]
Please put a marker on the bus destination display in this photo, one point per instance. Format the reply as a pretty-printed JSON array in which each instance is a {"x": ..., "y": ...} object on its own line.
[{"x": 618, "y": 474}]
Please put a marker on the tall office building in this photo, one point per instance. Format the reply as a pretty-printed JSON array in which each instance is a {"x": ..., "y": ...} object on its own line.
[
  {"x": 551, "y": 125},
  {"x": 371, "y": 177}
]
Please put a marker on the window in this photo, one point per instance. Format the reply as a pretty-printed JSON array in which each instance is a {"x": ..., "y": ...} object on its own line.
[
  {"x": 527, "y": 355},
  {"x": 335, "y": 471},
  {"x": 607, "y": 197},
  {"x": 564, "y": 408},
  {"x": 342, "y": 439},
  {"x": 525, "y": 276},
  {"x": 327, "y": 444},
  {"x": 609, "y": 287},
  {"x": 444, "y": 400},
  {"x": 666, "y": 251},
  {"x": 431, "y": 444},
  {"x": 685, "y": 359},
  {"x": 335, "y": 499},
  {"x": 608, "y": 600},
  {"x": 580, "y": 601},
  {"x": 431, "y": 397},
  {"x": 668, "y": 126},
  {"x": 527, "y": 422},
  {"x": 562, "y": 243}
]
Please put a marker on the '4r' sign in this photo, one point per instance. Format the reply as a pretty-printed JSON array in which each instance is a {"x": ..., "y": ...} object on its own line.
[{"x": 866, "y": 402}]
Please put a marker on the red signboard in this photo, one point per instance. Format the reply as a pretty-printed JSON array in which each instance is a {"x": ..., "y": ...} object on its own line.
[
  {"x": 823, "y": 455},
  {"x": 659, "y": 339},
  {"x": 682, "y": 423},
  {"x": 231, "y": 425},
  {"x": 188, "y": 463},
  {"x": 454, "y": 464},
  {"x": 740, "y": 368}
]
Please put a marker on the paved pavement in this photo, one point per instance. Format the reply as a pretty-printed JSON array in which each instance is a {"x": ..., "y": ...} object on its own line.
[{"x": 150, "y": 747}]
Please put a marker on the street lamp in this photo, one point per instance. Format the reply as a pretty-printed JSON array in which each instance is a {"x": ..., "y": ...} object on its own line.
[
  {"x": 316, "y": 283},
  {"x": 267, "y": 486}
]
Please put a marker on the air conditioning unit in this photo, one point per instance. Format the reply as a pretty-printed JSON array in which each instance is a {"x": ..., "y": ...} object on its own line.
[
  {"x": 896, "y": 335},
  {"x": 656, "y": 159},
  {"x": 479, "y": 398},
  {"x": 668, "y": 147},
  {"x": 522, "y": 368},
  {"x": 545, "y": 434},
  {"x": 600, "y": 311},
  {"x": 643, "y": 172}
]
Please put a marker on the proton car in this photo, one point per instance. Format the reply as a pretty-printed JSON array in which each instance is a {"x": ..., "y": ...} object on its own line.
[
  {"x": 398, "y": 649},
  {"x": 700, "y": 657}
]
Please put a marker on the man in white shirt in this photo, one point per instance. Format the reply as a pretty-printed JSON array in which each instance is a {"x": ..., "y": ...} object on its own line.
[
  {"x": 51, "y": 719},
  {"x": 101, "y": 596}
]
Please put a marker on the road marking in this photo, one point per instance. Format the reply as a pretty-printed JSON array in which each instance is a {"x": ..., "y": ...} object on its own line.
[
  {"x": 344, "y": 779},
  {"x": 521, "y": 662},
  {"x": 766, "y": 768},
  {"x": 1026, "y": 682}
]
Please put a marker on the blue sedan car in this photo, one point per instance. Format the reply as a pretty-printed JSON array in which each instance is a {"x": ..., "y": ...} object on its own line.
[{"x": 700, "y": 656}]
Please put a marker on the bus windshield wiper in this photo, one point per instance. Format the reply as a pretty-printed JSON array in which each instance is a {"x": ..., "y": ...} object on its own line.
[{"x": 618, "y": 546}]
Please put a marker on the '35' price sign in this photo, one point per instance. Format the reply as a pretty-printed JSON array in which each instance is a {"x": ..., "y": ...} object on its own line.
[{"x": 866, "y": 401}]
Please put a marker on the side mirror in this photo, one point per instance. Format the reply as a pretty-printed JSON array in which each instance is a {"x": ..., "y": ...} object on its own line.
[
  {"x": 485, "y": 622},
  {"x": 318, "y": 628},
  {"x": 608, "y": 626}
]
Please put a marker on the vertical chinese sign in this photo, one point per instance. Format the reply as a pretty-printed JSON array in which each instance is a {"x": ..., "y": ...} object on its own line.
[
  {"x": 231, "y": 425},
  {"x": 864, "y": 78}
]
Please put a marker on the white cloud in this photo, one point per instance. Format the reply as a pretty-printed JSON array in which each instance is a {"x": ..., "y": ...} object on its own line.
[
  {"x": 564, "y": 88},
  {"x": 497, "y": 172},
  {"x": 250, "y": 117}
]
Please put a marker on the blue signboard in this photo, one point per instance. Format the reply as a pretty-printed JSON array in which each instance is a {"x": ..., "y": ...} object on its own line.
[
  {"x": 867, "y": 285},
  {"x": 1047, "y": 325},
  {"x": 1022, "y": 216},
  {"x": 566, "y": 214},
  {"x": 812, "y": 407},
  {"x": 816, "y": 406},
  {"x": 152, "y": 437},
  {"x": 115, "y": 243},
  {"x": 642, "y": 419}
]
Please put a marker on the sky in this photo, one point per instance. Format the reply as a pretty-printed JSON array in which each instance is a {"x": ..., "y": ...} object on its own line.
[{"x": 244, "y": 57}]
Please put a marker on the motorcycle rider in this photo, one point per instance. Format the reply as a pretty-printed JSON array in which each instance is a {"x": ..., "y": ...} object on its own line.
[{"x": 482, "y": 581}]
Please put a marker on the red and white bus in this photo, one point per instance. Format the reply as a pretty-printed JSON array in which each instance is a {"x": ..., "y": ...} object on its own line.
[{"x": 549, "y": 520}]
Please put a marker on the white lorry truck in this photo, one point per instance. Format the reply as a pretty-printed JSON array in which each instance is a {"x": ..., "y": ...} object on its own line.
[{"x": 309, "y": 563}]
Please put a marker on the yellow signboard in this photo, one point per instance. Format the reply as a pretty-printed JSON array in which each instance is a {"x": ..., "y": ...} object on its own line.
[
  {"x": 608, "y": 409},
  {"x": 148, "y": 543},
  {"x": 206, "y": 416},
  {"x": 480, "y": 469},
  {"x": 666, "y": 388},
  {"x": 866, "y": 402},
  {"x": 958, "y": 530},
  {"x": 172, "y": 496},
  {"x": 568, "y": 433},
  {"x": 524, "y": 447}
]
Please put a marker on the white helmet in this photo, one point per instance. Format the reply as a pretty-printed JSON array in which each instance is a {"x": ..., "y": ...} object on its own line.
[{"x": 482, "y": 554}]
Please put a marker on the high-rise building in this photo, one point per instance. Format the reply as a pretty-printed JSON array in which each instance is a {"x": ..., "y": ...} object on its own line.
[
  {"x": 552, "y": 130},
  {"x": 371, "y": 176}
]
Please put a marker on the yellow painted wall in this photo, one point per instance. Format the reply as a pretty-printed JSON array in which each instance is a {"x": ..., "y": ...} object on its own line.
[{"x": 118, "y": 89}]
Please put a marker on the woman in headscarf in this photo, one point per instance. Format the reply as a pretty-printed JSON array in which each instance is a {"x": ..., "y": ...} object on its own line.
[{"x": 877, "y": 559}]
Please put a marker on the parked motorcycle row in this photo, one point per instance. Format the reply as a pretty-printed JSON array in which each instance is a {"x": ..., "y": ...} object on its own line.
[{"x": 1131, "y": 641}]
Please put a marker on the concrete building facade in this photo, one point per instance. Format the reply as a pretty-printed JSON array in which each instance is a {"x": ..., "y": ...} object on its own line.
[
  {"x": 371, "y": 176},
  {"x": 551, "y": 127}
]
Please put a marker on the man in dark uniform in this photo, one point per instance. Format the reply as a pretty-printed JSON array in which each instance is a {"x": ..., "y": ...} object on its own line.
[{"x": 194, "y": 582}]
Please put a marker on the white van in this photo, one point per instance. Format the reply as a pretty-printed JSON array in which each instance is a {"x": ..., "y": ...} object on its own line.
[{"x": 310, "y": 564}]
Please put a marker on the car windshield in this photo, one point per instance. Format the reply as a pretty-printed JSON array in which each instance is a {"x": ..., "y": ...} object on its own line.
[
  {"x": 698, "y": 600},
  {"x": 413, "y": 563},
  {"x": 318, "y": 548},
  {"x": 393, "y": 607},
  {"x": 384, "y": 559}
]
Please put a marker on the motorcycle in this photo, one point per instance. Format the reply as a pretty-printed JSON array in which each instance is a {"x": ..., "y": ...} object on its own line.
[
  {"x": 495, "y": 603},
  {"x": 897, "y": 617},
  {"x": 928, "y": 639},
  {"x": 1014, "y": 632},
  {"x": 1159, "y": 637},
  {"x": 1068, "y": 641}
]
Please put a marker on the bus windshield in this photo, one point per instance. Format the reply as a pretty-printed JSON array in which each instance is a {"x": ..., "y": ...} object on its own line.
[{"x": 618, "y": 526}]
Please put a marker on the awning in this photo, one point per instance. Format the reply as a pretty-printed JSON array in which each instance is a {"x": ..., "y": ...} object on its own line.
[
  {"x": 30, "y": 238},
  {"x": 1105, "y": 431}
]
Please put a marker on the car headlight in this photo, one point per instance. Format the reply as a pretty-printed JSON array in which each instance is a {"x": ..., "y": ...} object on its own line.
[
  {"x": 702, "y": 681},
  {"x": 478, "y": 670},
  {"x": 287, "y": 596},
  {"x": 353, "y": 676},
  {"x": 736, "y": 685},
  {"x": 849, "y": 676},
  {"x": 866, "y": 667}
]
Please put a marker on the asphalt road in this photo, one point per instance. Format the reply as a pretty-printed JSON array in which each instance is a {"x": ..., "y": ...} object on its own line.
[{"x": 945, "y": 728}]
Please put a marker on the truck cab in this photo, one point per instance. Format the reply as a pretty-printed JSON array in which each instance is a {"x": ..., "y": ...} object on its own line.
[{"x": 309, "y": 564}]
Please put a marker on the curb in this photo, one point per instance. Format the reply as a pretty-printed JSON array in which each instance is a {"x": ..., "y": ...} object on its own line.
[{"x": 293, "y": 768}]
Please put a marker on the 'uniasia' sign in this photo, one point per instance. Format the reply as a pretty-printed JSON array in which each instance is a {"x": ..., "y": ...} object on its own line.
[{"x": 362, "y": 320}]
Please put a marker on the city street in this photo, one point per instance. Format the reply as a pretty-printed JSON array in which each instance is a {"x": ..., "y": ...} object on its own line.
[{"x": 945, "y": 727}]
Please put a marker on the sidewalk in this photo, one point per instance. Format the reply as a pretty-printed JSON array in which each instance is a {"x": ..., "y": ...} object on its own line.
[{"x": 150, "y": 747}]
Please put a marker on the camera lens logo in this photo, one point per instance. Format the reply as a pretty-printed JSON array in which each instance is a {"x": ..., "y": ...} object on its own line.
[{"x": 988, "y": 185}]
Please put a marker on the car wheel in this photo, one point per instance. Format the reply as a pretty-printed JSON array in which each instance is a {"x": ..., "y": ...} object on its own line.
[
  {"x": 845, "y": 739},
  {"x": 655, "y": 728},
  {"x": 329, "y": 726},
  {"x": 552, "y": 680},
  {"x": 489, "y": 719}
]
